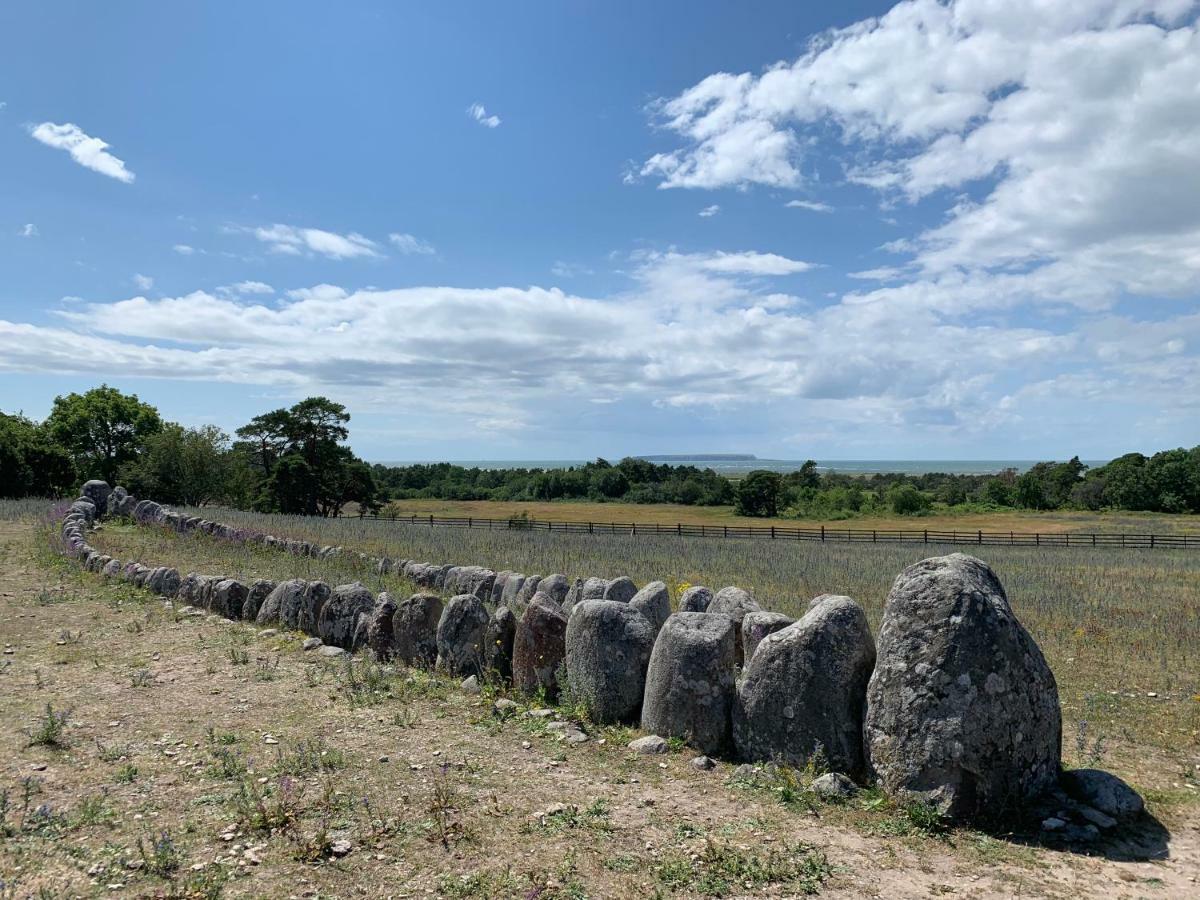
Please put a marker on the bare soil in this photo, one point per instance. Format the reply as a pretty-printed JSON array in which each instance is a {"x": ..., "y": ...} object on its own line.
[{"x": 171, "y": 718}]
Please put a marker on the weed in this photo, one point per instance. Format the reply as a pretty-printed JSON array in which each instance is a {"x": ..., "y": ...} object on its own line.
[
  {"x": 163, "y": 858},
  {"x": 226, "y": 763},
  {"x": 111, "y": 753},
  {"x": 93, "y": 810},
  {"x": 127, "y": 774},
  {"x": 265, "y": 669},
  {"x": 238, "y": 656},
  {"x": 1090, "y": 754},
  {"x": 722, "y": 869},
  {"x": 365, "y": 682},
  {"x": 446, "y": 826},
  {"x": 50, "y": 731},
  {"x": 142, "y": 678},
  {"x": 309, "y": 756},
  {"x": 259, "y": 808}
]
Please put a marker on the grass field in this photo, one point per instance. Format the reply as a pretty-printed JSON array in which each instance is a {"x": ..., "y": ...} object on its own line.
[
  {"x": 148, "y": 753},
  {"x": 672, "y": 513}
]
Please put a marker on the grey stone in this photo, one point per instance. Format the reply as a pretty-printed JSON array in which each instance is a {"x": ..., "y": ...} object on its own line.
[
  {"x": 704, "y": 763},
  {"x": 525, "y": 594},
  {"x": 497, "y": 588},
  {"x": 503, "y": 708},
  {"x": 607, "y": 648},
  {"x": 119, "y": 502},
  {"x": 282, "y": 604},
  {"x": 228, "y": 595},
  {"x": 649, "y": 745},
  {"x": 332, "y": 652},
  {"x": 460, "y": 635},
  {"x": 470, "y": 684},
  {"x": 338, "y": 620},
  {"x": 1103, "y": 791},
  {"x": 255, "y": 596},
  {"x": 539, "y": 646},
  {"x": 690, "y": 681},
  {"x": 380, "y": 634},
  {"x": 1097, "y": 818},
  {"x": 498, "y": 643},
  {"x": 654, "y": 602},
  {"x": 414, "y": 629},
  {"x": 834, "y": 786},
  {"x": 555, "y": 587},
  {"x": 512, "y": 589},
  {"x": 756, "y": 626},
  {"x": 962, "y": 710},
  {"x": 735, "y": 603},
  {"x": 97, "y": 492},
  {"x": 805, "y": 690},
  {"x": 308, "y": 616},
  {"x": 164, "y": 581},
  {"x": 112, "y": 568},
  {"x": 622, "y": 590},
  {"x": 311, "y": 643}
]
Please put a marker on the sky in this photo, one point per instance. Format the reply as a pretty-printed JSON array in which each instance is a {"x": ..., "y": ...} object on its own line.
[{"x": 563, "y": 229}]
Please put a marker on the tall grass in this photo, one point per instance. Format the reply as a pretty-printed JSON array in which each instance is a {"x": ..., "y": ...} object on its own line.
[{"x": 24, "y": 508}]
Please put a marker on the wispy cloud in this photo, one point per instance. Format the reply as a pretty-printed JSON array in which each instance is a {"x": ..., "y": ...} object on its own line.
[
  {"x": 184, "y": 249},
  {"x": 90, "y": 152},
  {"x": 563, "y": 269},
  {"x": 28, "y": 230},
  {"x": 409, "y": 244},
  {"x": 813, "y": 205},
  {"x": 247, "y": 287},
  {"x": 144, "y": 282},
  {"x": 709, "y": 211},
  {"x": 294, "y": 241},
  {"x": 477, "y": 112}
]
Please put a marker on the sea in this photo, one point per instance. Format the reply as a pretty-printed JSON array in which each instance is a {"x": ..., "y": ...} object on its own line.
[{"x": 734, "y": 464}]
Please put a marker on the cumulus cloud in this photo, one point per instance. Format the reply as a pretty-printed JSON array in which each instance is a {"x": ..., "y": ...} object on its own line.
[
  {"x": 184, "y": 249},
  {"x": 408, "y": 244},
  {"x": 90, "y": 152},
  {"x": 477, "y": 112},
  {"x": 709, "y": 211},
  {"x": 247, "y": 287},
  {"x": 293, "y": 241}
]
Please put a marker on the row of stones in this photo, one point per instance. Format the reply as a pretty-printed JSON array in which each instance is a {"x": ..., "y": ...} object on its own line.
[{"x": 955, "y": 707}]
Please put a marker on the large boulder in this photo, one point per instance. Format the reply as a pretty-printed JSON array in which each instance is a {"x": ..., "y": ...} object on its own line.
[
  {"x": 228, "y": 595},
  {"x": 555, "y": 587},
  {"x": 584, "y": 589},
  {"x": 460, "y": 635},
  {"x": 962, "y": 710},
  {"x": 338, "y": 618},
  {"x": 282, "y": 604},
  {"x": 621, "y": 590},
  {"x": 805, "y": 688},
  {"x": 255, "y": 596},
  {"x": 498, "y": 643},
  {"x": 608, "y": 647},
  {"x": 735, "y": 603},
  {"x": 120, "y": 502},
  {"x": 695, "y": 599},
  {"x": 414, "y": 629},
  {"x": 690, "y": 681},
  {"x": 98, "y": 492},
  {"x": 654, "y": 602},
  {"x": 164, "y": 581},
  {"x": 1103, "y": 791},
  {"x": 308, "y": 616},
  {"x": 539, "y": 646},
  {"x": 380, "y": 636},
  {"x": 512, "y": 588},
  {"x": 756, "y": 626}
]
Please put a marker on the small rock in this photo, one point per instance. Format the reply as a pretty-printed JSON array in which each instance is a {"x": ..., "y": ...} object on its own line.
[
  {"x": 576, "y": 737},
  {"x": 311, "y": 643},
  {"x": 1054, "y": 823},
  {"x": 38, "y": 767},
  {"x": 269, "y": 739},
  {"x": 265, "y": 633},
  {"x": 834, "y": 786},
  {"x": 1103, "y": 791},
  {"x": 744, "y": 772},
  {"x": 340, "y": 848},
  {"x": 540, "y": 713},
  {"x": 704, "y": 763},
  {"x": 649, "y": 744},
  {"x": 1097, "y": 818},
  {"x": 383, "y": 758},
  {"x": 331, "y": 652},
  {"x": 471, "y": 685},
  {"x": 504, "y": 707}
]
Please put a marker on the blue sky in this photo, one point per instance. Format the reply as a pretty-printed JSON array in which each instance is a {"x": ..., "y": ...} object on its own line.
[{"x": 564, "y": 229}]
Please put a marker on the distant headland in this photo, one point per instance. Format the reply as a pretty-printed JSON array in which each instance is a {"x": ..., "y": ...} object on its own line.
[{"x": 698, "y": 457}]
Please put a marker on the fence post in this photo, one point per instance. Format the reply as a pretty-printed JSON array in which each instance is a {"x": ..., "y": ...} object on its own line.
[
  {"x": 772, "y": 532},
  {"x": 927, "y": 535},
  {"x": 1151, "y": 541},
  {"x": 1093, "y": 539},
  {"x": 980, "y": 541},
  {"x": 590, "y": 528},
  {"x": 679, "y": 528},
  {"x": 469, "y": 522},
  {"x": 873, "y": 537},
  {"x": 1037, "y": 538},
  {"x": 726, "y": 532},
  {"x": 635, "y": 528},
  {"x": 822, "y": 534}
]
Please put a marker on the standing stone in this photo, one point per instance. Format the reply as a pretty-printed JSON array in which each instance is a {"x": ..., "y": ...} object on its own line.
[
  {"x": 528, "y": 589},
  {"x": 97, "y": 491},
  {"x": 338, "y": 619},
  {"x": 282, "y": 604},
  {"x": 497, "y": 588},
  {"x": 555, "y": 587},
  {"x": 654, "y": 602},
  {"x": 117, "y": 501},
  {"x": 380, "y": 637},
  {"x": 735, "y": 603},
  {"x": 164, "y": 581},
  {"x": 756, "y": 626},
  {"x": 308, "y": 615},
  {"x": 622, "y": 590},
  {"x": 695, "y": 599},
  {"x": 806, "y": 688},
  {"x": 414, "y": 629},
  {"x": 512, "y": 588},
  {"x": 460, "y": 635},
  {"x": 227, "y": 598},
  {"x": 962, "y": 710},
  {"x": 608, "y": 647},
  {"x": 112, "y": 568},
  {"x": 690, "y": 683},
  {"x": 539, "y": 646},
  {"x": 255, "y": 596},
  {"x": 498, "y": 643}
]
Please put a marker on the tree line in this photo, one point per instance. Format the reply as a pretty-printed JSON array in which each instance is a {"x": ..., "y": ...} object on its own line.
[{"x": 296, "y": 460}]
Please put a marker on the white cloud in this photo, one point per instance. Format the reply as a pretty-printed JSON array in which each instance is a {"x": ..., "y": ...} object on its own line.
[
  {"x": 247, "y": 287},
  {"x": 408, "y": 244},
  {"x": 28, "y": 230},
  {"x": 751, "y": 263},
  {"x": 143, "y": 282},
  {"x": 292, "y": 241},
  {"x": 90, "y": 152},
  {"x": 477, "y": 112},
  {"x": 811, "y": 205},
  {"x": 709, "y": 211},
  {"x": 184, "y": 249},
  {"x": 569, "y": 270}
]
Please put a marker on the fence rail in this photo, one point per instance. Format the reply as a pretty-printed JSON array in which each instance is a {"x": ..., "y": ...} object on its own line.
[{"x": 821, "y": 534}]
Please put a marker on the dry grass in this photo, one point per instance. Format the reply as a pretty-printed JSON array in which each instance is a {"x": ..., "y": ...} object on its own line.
[{"x": 168, "y": 783}]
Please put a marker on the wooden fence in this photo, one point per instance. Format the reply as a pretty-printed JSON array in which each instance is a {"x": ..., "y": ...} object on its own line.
[{"x": 821, "y": 534}]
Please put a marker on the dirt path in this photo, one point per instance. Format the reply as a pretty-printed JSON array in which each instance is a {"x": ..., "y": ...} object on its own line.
[{"x": 173, "y": 718}]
